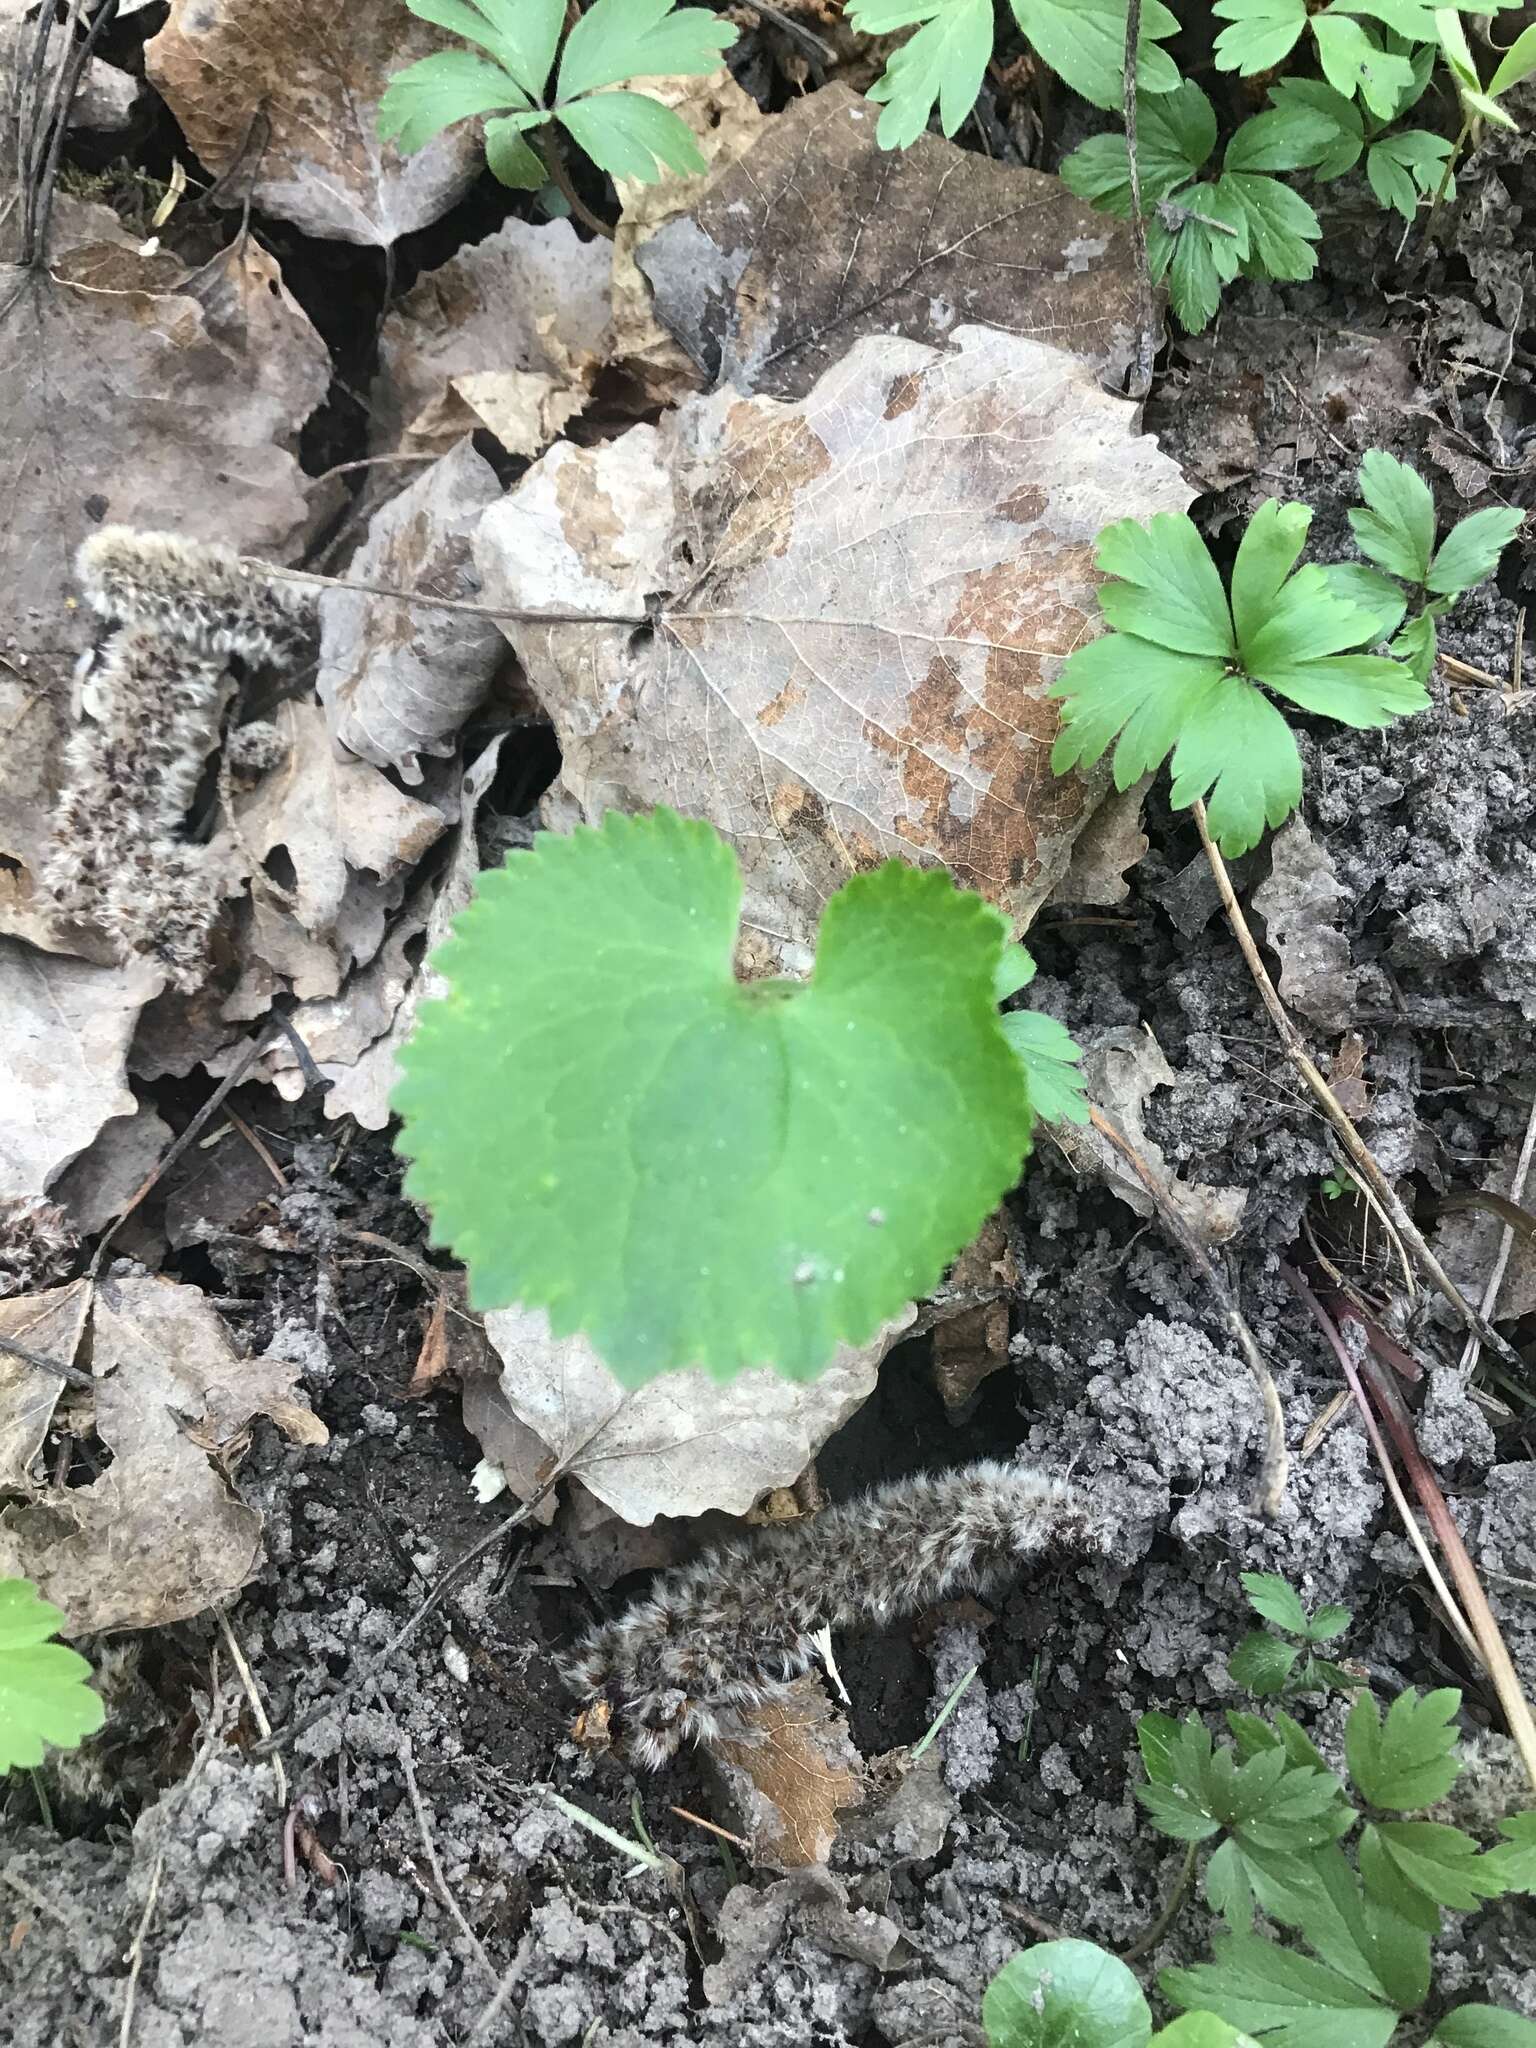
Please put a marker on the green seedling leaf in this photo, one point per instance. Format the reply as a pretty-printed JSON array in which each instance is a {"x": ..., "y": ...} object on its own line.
[
  {"x": 1286, "y": 138},
  {"x": 45, "y": 1696},
  {"x": 619, "y": 39},
  {"x": 451, "y": 85},
  {"x": 694, "y": 1171},
  {"x": 1353, "y": 62},
  {"x": 1261, "y": 33},
  {"x": 1065, "y": 1994},
  {"x": 1409, "y": 1760},
  {"x": 630, "y": 136},
  {"x": 1471, "y": 550},
  {"x": 512, "y": 161},
  {"x": 1516, "y": 65},
  {"x": 1083, "y": 41},
  {"x": 1441, "y": 1862},
  {"x": 943, "y": 64},
  {"x": 1199, "y": 243},
  {"x": 1417, "y": 645},
  {"x": 1327, "y": 1623},
  {"x": 1515, "y": 1857},
  {"x": 1405, "y": 168},
  {"x": 1261, "y": 1664},
  {"x": 1156, "y": 1736},
  {"x": 520, "y": 34},
  {"x": 1228, "y": 1890},
  {"x": 1396, "y": 528},
  {"x": 1287, "y": 2000},
  {"x": 1201, "y": 2030},
  {"x": 1052, "y": 1061},
  {"x": 1483, "y": 2026},
  {"x": 1282, "y": 228},
  {"x": 1353, "y": 1933},
  {"x": 1345, "y": 130},
  {"x": 1369, "y": 591},
  {"x": 1268, "y": 1594},
  {"x": 1015, "y": 971}
]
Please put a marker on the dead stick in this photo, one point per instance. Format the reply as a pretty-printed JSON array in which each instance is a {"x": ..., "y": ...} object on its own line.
[
  {"x": 1139, "y": 382},
  {"x": 1361, "y": 1156},
  {"x": 1273, "y": 1471},
  {"x": 1480, "y": 1617}
]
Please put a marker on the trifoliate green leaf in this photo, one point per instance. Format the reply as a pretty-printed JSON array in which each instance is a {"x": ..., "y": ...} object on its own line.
[
  {"x": 1483, "y": 2026},
  {"x": 606, "y": 1124},
  {"x": 1052, "y": 1061},
  {"x": 1269, "y": 1594},
  {"x": 1288, "y": 2000},
  {"x": 1261, "y": 1664},
  {"x": 619, "y": 39},
  {"x": 1353, "y": 62},
  {"x": 1260, "y": 35},
  {"x": 1346, "y": 129},
  {"x": 629, "y": 135},
  {"x": 943, "y": 63},
  {"x": 1396, "y": 528},
  {"x": 1409, "y": 1760},
  {"x": 1284, "y": 139},
  {"x": 44, "y": 1694},
  {"x": 1515, "y": 1857},
  {"x": 1368, "y": 591},
  {"x": 1065, "y": 1992},
  {"x": 1282, "y": 228},
  {"x": 1442, "y": 1862},
  {"x": 1407, "y": 167},
  {"x": 1083, "y": 41},
  {"x": 1175, "y": 134},
  {"x": 1471, "y": 550},
  {"x": 512, "y": 161},
  {"x": 452, "y": 85},
  {"x": 520, "y": 34}
]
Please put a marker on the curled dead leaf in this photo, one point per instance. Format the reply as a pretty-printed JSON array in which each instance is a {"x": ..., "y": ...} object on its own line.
[{"x": 789, "y": 1773}]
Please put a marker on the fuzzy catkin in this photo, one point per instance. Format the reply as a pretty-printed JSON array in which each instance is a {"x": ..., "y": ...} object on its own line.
[
  {"x": 735, "y": 1627},
  {"x": 153, "y": 699}
]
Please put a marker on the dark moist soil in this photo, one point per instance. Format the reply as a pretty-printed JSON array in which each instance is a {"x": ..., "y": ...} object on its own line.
[{"x": 1117, "y": 1368}]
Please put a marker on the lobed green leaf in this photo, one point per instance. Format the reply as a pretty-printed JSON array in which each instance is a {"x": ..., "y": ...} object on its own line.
[
  {"x": 45, "y": 1696},
  {"x": 1409, "y": 1760},
  {"x": 629, "y": 135},
  {"x": 619, "y": 39},
  {"x": 452, "y": 85}
]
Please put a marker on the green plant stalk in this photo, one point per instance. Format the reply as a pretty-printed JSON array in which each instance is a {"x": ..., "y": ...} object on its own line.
[
  {"x": 554, "y": 157},
  {"x": 1361, "y": 1156},
  {"x": 1445, "y": 183}
]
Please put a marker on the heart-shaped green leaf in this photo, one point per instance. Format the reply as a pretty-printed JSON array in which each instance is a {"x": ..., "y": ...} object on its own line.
[{"x": 690, "y": 1169}]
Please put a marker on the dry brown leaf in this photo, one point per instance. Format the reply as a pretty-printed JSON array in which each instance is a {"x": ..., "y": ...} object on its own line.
[
  {"x": 790, "y": 1775},
  {"x": 1122, "y": 1067},
  {"x": 970, "y": 1340},
  {"x": 1346, "y": 1075},
  {"x": 51, "y": 1325},
  {"x": 528, "y": 303},
  {"x": 1111, "y": 842},
  {"x": 289, "y": 92},
  {"x": 330, "y": 833},
  {"x": 1300, "y": 904},
  {"x": 127, "y": 397},
  {"x": 726, "y": 122},
  {"x": 159, "y": 1536},
  {"x": 114, "y": 1166},
  {"x": 818, "y": 237},
  {"x": 65, "y": 1027},
  {"x": 864, "y": 599},
  {"x": 398, "y": 681},
  {"x": 682, "y": 1443}
]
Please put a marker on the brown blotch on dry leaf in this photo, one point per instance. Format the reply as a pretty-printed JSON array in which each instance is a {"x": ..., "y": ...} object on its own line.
[
  {"x": 853, "y": 647},
  {"x": 818, "y": 237},
  {"x": 970, "y": 1337},
  {"x": 790, "y": 1774}
]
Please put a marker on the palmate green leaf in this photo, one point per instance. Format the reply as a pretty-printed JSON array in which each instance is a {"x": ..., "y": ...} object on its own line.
[
  {"x": 512, "y": 160},
  {"x": 1442, "y": 1862},
  {"x": 1120, "y": 684},
  {"x": 1396, "y": 527},
  {"x": 1269, "y": 1594},
  {"x": 1065, "y": 1994},
  {"x": 1198, "y": 256},
  {"x": 1483, "y": 2026},
  {"x": 451, "y": 85},
  {"x": 629, "y": 135},
  {"x": 1515, "y": 1857},
  {"x": 1354, "y": 62},
  {"x": 1367, "y": 590},
  {"x": 1345, "y": 127},
  {"x": 1286, "y": 138},
  {"x": 1260, "y": 33},
  {"x": 1409, "y": 1760},
  {"x": 1238, "y": 754},
  {"x": 1083, "y": 42},
  {"x": 1285, "y": 1999},
  {"x": 1471, "y": 550},
  {"x": 1282, "y": 227},
  {"x": 1052, "y": 1061},
  {"x": 44, "y": 1694},
  {"x": 1407, "y": 167},
  {"x": 604, "y": 1123},
  {"x": 1166, "y": 586},
  {"x": 1175, "y": 134},
  {"x": 943, "y": 63},
  {"x": 1355, "y": 1934},
  {"x": 1261, "y": 1664},
  {"x": 619, "y": 39},
  {"x": 520, "y": 34}
]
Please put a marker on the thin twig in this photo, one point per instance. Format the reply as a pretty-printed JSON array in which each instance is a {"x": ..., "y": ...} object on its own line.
[
  {"x": 498, "y": 2004},
  {"x": 1457, "y": 1621},
  {"x": 253, "y": 1697},
  {"x": 72, "y": 1373},
  {"x": 441, "y": 604},
  {"x": 713, "y": 1827},
  {"x": 1362, "y": 1159},
  {"x": 211, "y": 1736},
  {"x": 1491, "y": 1648},
  {"x": 1273, "y": 1470},
  {"x": 69, "y": 84},
  {"x": 1489, "y": 1302},
  {"x": 1139, "y": 378},
  {"x": 445, "y": 1896}
]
